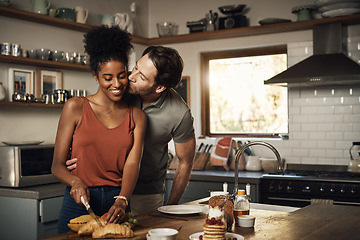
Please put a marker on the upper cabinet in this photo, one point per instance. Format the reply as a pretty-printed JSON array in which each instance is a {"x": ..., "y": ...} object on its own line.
[{"x": 183, "y": 38}]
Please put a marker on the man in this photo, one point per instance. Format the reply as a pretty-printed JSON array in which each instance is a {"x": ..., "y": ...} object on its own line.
[{"x": 169, "y": 118}]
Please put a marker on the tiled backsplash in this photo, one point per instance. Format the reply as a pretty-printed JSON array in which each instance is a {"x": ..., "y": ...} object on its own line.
[{"x": 323, "y": 122}]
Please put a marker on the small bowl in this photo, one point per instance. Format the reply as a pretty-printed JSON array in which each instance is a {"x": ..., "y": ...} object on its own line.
[
  {"x": 163, "y": 234},
  {"x": 246, "y": 221},
  {"x": 166, "y": 29}
]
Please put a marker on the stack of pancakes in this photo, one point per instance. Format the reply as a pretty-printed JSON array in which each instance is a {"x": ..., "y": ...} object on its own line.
[{"x": 214, "y": 231}]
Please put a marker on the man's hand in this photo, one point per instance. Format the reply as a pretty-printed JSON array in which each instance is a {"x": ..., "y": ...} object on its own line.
[{"x": 71, "y": 164}]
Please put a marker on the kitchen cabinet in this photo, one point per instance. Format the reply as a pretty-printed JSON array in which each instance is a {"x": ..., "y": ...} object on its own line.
[{"x": 30, "y": 212}]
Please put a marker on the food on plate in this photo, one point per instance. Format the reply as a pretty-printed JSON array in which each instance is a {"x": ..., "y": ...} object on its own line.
[
  {"x": 228, "y": 208},
  {"x": 219, "y": 219},
  {"x": 90, "y": 227},
  {"x": 76, "y": 223},
  {"x": 113, "y": 230}
]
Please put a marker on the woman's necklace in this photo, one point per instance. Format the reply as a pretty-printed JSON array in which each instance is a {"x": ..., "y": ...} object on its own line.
[{"x": 103, "y": 106}]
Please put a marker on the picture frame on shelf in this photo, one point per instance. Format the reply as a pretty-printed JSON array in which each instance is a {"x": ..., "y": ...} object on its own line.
[
  {"x": 20, "y": 81},
  {"x": 47, "y": 81}
]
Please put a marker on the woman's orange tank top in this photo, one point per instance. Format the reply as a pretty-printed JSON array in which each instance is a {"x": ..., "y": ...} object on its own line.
[{"x": 101, "y": 152}]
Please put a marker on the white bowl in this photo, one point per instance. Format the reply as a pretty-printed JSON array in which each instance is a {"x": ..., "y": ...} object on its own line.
[
  {"x": 162, "y": 234},
  {"x": 246, "y": 221}
]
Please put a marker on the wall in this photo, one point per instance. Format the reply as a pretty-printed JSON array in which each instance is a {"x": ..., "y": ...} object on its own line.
[
  {"x": 25, "y": 124},
  {"x": 322, "y": 126}
]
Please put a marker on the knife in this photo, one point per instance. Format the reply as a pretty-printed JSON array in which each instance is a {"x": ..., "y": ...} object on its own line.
[{"x": 90, "y": 211}]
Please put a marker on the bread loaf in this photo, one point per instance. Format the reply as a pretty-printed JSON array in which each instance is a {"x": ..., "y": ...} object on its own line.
[{"x": 113, "y": 230}]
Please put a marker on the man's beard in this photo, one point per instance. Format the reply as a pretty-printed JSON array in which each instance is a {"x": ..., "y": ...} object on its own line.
[{"x": 142, "y": 91}]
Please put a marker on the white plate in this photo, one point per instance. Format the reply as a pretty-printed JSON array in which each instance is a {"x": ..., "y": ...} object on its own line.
[
  {"x": 21, "y": 143},
  {"x": 196, "y": 236},
  {"x": 183, "y": 209},
  {"x": 340, "y": 12}
]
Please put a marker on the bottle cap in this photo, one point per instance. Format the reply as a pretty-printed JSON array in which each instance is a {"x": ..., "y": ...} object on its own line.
[{"x": 241, "y": 192}]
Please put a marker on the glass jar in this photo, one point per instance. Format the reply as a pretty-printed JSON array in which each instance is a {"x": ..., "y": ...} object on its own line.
[{"x": 241, "y": 204}]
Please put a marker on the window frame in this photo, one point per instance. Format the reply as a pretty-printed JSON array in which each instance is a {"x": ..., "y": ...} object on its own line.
[{"x": 205, "y": 57}]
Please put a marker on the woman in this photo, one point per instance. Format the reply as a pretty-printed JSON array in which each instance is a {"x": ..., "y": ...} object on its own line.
[{"x": 105, "y": 134}]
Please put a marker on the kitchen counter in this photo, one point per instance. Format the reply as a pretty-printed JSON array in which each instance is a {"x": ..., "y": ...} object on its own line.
[
  {"x": 221, "y": 176},
  {"x": 316, "y": 221},
  {"x": 35, "y": 192}
]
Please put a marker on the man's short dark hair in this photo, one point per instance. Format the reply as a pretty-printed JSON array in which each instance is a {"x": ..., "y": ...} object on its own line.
[{"x": 168, "y": 63}]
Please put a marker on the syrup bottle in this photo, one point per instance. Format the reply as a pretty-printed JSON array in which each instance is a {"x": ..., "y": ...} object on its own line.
[{"x": 241, "y": 204}]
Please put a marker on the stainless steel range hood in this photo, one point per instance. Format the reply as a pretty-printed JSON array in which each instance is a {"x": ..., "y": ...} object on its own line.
[{"x": 329, "y": 66}]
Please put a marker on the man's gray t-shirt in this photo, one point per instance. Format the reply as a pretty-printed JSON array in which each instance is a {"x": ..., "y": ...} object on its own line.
[{"x": 168, "y": 118}]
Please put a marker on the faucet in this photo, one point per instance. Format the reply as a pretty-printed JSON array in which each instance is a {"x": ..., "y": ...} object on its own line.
[{"x": 238, "y": 154}]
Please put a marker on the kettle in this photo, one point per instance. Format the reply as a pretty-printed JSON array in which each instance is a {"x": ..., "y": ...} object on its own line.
[
  {"x": 354, "y": 164},
  {"x": 211, "y": 21},
  {"x": 124, "y": 21}
]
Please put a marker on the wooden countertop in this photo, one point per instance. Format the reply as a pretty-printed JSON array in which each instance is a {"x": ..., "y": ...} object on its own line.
[{"x": 315, "y": 221}]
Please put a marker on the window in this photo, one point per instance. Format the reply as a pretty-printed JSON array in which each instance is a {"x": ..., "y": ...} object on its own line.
[{"x": 235, "y": 100}]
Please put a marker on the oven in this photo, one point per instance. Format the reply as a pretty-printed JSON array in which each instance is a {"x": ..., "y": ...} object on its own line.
[{"x": 299, "y": 184}]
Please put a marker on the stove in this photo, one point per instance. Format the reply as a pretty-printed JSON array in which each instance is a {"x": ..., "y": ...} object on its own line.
[{"x": 299, "y": 184}]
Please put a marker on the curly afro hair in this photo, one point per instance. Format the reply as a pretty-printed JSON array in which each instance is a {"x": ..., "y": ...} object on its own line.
[{"x": 105, "y": 43}]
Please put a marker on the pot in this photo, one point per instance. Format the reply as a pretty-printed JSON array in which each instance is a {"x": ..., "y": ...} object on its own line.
[{"x": 61, "y": 96}]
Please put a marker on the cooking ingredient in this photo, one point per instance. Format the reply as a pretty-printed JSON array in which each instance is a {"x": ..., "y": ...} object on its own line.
[
  {"x": 90, "y": 227},
  {"x": 76, "y": 223},
  {"x": 241, "y": 204},
  {"x": 113, "y": 230}
]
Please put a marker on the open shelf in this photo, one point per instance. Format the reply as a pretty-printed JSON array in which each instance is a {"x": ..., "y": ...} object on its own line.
[
  {"x": 44, "y": 63},
  {"x": 29, "y": 104},
  {"x": 182, "y": 38}
]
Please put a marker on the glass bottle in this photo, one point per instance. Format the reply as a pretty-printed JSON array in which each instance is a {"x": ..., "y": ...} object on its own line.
[{"x": 241, "y": 204}]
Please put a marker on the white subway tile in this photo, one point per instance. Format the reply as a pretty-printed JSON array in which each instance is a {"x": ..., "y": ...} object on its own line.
[
  {"x": 301, "y": 152},
  {"x": 356, "y": 127},
  {"x": 341, "y": 161},
  {"x": 351, "y": 118},
  {"x": 324, "y": 127},
  {"x": 352, "y": 136},
  {"x": 300, "y": 119},
  {"x": 317, "y": 136},
  {"x": 356, "y": 109},
  {"x": 299, "y": 102},
  {"x": 300, "y": 135},
  {"x": 327, "y": 161},
  {"x": 335, "y": 153},
  {"x": 308, "y": 110},
  {"x": 294, "y": 127},
  {"x": 308, "y": 144},
  {"x": 308, "y": 160},
  {"x": 346, "y": 144},
  {"x": 342, "y": 109},
  {"x": 294, "y": 110},
  {"x": 317, "y": 118},
  {"x": 307, "y": 127},
  {"x": 325, "y": 109},
  {"x": 343, "y": 127},
  {"x": 338, "y": 118},
  {"x": 334, "y": 136},
  {"x": 317, "y": 153},
  {"x": 325, "y": 144}
]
